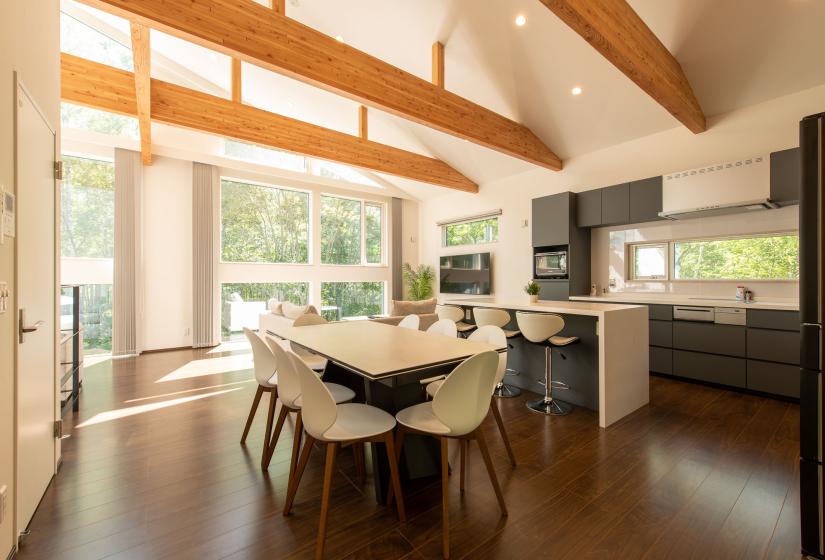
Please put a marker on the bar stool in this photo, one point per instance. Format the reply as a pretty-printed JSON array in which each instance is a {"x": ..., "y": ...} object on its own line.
[
  {"x": 314, "y": 361},
  {"x": 542, "y": 328},
  {"x": 499, "y": 318},
  {"x": 456, "y": 314},
  {"x": 267, "y": 378}
]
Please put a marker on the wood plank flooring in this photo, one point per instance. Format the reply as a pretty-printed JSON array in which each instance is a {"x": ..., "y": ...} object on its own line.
[{"x": 153, "y": 469}]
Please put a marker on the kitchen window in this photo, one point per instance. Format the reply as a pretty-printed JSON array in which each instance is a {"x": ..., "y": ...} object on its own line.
[
  {"x": 474, "y": 230},
  {"x": 649, "y": 261}
]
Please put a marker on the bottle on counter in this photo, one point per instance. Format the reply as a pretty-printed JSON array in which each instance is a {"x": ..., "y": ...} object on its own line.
[{"x": 593, "y": 290}]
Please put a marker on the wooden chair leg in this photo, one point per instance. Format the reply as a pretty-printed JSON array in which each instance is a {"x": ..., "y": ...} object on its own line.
[
  {"x": 329, "y": 468},
  {"x": 445, "y": 499},
  {"x": 462, "y": 443},
  {"x": 502, "y": 431},
  {"x": 279, "y": 425},
  {"x": 485, "y": 454},
  {"x": 392, "y": 458},
  {"x": 358, "y": 456},
  {"x": 258, "y": 394},
  {"x": 295, "y": 480},
  {"x": 273, "y": 401},
  {"x": 296, "y": 443},
  {"x": 399, "y": 445}
]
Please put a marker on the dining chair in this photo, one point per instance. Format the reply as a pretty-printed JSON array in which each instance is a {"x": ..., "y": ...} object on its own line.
[
  {"x": 411, "y": 321},
  {"x": 313, "y": 360},
  {"x": 331, "y": 425},
  {"x": 455, "y": 314},
  {"x": 493, "y": 335},
  {"x": 500, "y": 318},
  {"x": 289, "y": 393},
  {"x": 265, "y": 367},
  {"x": 444, "y": 327},
  {"x": 456, "y": 412}
]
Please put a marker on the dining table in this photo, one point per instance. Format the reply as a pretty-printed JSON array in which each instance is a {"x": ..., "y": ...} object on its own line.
[{"x": 385, "y": 364}]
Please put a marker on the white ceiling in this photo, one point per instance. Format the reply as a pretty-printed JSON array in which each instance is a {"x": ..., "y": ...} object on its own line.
[{"x": 735, "y": 53}]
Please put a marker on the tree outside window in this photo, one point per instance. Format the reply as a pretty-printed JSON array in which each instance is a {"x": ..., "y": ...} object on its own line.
[
  {"x": 340, "y": 230},
  {"x": 471, "y": 233},
  {"x": 351, "y": 299}
]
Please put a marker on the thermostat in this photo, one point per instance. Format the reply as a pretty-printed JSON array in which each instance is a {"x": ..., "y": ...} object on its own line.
[{"x": 7, "y": 212}]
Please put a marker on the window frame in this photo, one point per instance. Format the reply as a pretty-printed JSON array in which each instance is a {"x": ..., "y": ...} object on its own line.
[
  {"x": 444, "y": 226},
  {"x": 363, "y": 244},
  {"x": 631, "y": 261}
]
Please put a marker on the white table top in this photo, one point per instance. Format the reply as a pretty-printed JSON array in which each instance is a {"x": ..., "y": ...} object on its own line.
[
  {"x": 561, "y": 307},
  {"x": 379, "y": 350},
  {"x": 707, "y": 301}
]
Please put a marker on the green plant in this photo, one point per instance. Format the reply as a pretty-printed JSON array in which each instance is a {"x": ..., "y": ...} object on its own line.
[
  {"x": 532, "y": 288},
  {"x": 419, "y": 281}
]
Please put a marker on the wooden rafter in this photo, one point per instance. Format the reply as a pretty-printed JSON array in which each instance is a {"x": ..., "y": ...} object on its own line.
[
  {"x": 438, "y": 64},
  {"x": 620, "y": 35},
  {"x": 237, "y": 83},
  {"x": 96, "y": 85},
  {"x": 279, "y": 6},
  {"x": 363, "y": 122},
  {"x": 141, "y": 54},
  {"x": 261, "y": 36}
]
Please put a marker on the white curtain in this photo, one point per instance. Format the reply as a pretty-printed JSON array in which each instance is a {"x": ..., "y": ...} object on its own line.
[
  {"x": 395, "y": 251},
  {"x": 205, "y": 193}
]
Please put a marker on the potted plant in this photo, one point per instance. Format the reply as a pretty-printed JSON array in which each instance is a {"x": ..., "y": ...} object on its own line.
[
  {"x": 532, "y": 289},
  {"x": 419, "y": 281}
]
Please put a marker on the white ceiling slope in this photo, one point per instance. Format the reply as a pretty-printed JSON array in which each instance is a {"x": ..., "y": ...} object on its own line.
[{"x": 735, "y": 53}]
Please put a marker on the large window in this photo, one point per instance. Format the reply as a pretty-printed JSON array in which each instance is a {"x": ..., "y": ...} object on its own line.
[
  {"x": 351, "y": 231},
  {"x": 351, "y": 299},
  {"x": 93, "y": 120},
  {"x": 79, "y": 39},
  {"x": 267, "y": 156},
  {"x": 758, "y": 257},
  {"x": 262, "y": 224},
  {"x": 473, "y": 232},
  {"x": 241, "y": 303}
]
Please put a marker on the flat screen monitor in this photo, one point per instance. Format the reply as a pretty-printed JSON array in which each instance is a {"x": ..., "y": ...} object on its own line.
[{"x": 465, "y": 274}]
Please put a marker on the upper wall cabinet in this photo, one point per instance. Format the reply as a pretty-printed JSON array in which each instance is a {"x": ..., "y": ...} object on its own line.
[
  {"x": 551, "y": 220},
  {"x": 786, "y": 176},
  {"x": 616, "y": 204},
  {"x": 626, "y": 203},
  {"x": 646, "y": 200},
  {"x": 589, "y": 208}
]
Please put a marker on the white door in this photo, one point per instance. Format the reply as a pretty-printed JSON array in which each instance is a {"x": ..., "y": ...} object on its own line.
[{"x": 36, "y": 290}]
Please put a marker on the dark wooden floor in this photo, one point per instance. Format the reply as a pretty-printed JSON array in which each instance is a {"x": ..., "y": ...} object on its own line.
[{"x": 158, "y": 473}]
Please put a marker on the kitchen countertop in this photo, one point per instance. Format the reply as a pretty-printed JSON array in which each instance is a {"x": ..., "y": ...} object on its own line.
[
  {"x": 592, "y": 309},
  {"x": 673, "y": 299}
]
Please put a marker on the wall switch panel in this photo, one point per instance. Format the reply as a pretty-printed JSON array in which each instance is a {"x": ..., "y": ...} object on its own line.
[{"x": 5, "y": 297}]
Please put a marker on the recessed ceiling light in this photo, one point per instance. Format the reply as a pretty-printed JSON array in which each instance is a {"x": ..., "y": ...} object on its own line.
[
  {"x": 339, "y": 38},
  {"x": 521, "y": 20},
  {"x": 576, "y": 90}
]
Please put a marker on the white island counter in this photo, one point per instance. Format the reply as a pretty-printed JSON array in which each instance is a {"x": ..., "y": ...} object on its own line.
[{"x": 622, "y": 335}]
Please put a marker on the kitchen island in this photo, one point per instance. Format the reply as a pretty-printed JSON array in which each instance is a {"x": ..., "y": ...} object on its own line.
[{"x": 607, "y": 370}]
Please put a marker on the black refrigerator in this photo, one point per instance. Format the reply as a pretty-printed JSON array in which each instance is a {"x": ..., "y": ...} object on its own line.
[{"x": 811, "y": 305}]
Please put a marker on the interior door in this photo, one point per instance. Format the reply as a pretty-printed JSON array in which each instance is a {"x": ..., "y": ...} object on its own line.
[{"x": 36, "y": 291}]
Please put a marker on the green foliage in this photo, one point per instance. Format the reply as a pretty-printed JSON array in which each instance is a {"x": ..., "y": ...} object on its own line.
[
  {"x": 96, "y": 318},
  {"x": 532, "y": 288},
  {"x": 754, "y": 258},
  {"x": 352, "y": 299},
  {"x": 87, "y": 208},
  {"x": 94, "y": 120},
  {"x": 372, "y": 230},
  {"x": 295, "y": 292},
  {"x": 340, "y": 230},
  {"x": 419, "y": 281},
  {"x": 472, "y": 233},
  {"x": 263, "y": 224}
]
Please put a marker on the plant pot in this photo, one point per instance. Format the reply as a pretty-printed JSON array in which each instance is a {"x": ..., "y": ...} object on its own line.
[{"x": 534, "y": 298}]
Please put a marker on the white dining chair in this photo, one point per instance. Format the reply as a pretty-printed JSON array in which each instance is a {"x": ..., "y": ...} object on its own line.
[
  {"x": 411, "y": 321},
  {"x": 289, "y": 393},
  {"x": 313, "y": 360},
  {"x": 444, "y": 327},
  {"x": 265, "y": 367},
  {"x": 493, "y": 335},
  {"x": 331, "y": 425},
  {"x": 455, "y": 314},
  {"x": 456, "y": 412},
  {"x": 500, "y": 318}
]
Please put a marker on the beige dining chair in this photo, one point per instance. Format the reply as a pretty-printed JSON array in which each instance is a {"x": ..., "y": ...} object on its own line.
[
  {"x": 313, "y": 360},
  {"x": 265, "y": 367},
  {"x": 411, "y": 321},
  {"x": 444, "y": 327},
  {"x": 456, "y": 314}
]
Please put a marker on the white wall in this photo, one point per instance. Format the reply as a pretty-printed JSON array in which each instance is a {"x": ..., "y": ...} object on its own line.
[{"x": 753, "y": 130}]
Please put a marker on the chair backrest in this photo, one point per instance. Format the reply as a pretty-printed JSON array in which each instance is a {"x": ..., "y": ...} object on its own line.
[
  {"x": 289, "y": 384},
  {"x": 486, "y": 316},
  {"x": 463, "y": 400},
  {"x": 410, "y": 322},
  {"x": 538, "y": 327},
  {"x": 489, "y": 334},
  {"x": 262, "y": 358},
  {"x": 444, "y": 327},
  {"x": 451, "y": 312},
  {"x": 318, "y": 408},
  {"x": 308, "y": 319}
]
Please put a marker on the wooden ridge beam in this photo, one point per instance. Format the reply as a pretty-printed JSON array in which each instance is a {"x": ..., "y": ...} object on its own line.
[
  {"x": 262, "y": 36},
  {"x": 141, "y": 54},
  {"x": 103, "y": 87},
  {"x": 620, "y": 35}
]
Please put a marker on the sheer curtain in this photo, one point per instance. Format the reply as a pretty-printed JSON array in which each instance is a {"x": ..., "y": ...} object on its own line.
[
  {"x": 205, "y": 212},
  {"x": 126, "y": 288}
]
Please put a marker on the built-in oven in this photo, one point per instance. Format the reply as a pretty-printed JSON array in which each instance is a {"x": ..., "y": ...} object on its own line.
[{"x": 551, "y": 264}]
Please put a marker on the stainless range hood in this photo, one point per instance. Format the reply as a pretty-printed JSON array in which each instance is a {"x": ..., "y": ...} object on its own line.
[{"x": 727, "y": 188}]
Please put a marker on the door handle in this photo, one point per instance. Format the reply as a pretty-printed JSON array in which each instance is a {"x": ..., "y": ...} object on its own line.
[{"x": 22, "y": 329}]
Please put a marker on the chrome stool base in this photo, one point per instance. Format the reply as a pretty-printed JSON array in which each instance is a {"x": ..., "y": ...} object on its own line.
[
  {"x": 505, "y": 391},
  {"x": 553, "y": 407}
]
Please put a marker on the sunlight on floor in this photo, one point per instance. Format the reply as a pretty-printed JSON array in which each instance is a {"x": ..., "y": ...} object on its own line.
[
  {"x": 209, "y": 366},
  {"x": 189, "y": 391},
  {"x": 94, "y": 359},
  {"x": 140, "y": 409},
  {"x": 231, "y": 346}
]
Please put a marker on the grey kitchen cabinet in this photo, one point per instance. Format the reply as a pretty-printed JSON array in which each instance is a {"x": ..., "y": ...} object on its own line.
[
  {"x": 551, "y": 220},
  {"x": 616, "y": 204},
  {"x": 712, "y": 368},
  {"x": 774, "y": 346},
  {"x": 661, "y": 360},
  {"x": 661, "y": 312},
  {"x": 786, "y": 176},
  {"x": 661, "y": 333},
  {"x": 554, "y": 290},
  {"x": 645, "y": 200},
  {"x": 728, "y": 340},
  {"x": 774, "y": 320},
  {"x": 776, "y": 379},
  {"x": 589, "y": 208}
]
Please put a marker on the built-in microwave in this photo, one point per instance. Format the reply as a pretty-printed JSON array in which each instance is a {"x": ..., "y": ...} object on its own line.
[{"x": 552, "y": 264}]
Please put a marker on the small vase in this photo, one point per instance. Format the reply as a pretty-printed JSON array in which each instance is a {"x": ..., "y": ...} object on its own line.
[{"x": 534, "y": 298}]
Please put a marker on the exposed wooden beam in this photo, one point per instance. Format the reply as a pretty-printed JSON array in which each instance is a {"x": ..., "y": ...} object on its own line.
[
  {"x": 279, "y": 6},
  {"x": 103, "y": 87},
  {"x": 237, "y": 83},
  {"x": 259, "y": 35},
  {"x": 620, "y": 35},
  {"x": 141, "y": 53},
  {"x": 363, "y": 122},
  {"x": 438, "y": 64}
]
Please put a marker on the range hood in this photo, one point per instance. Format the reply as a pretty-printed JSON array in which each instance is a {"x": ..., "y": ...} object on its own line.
[{"x": 726, "y": 188}]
